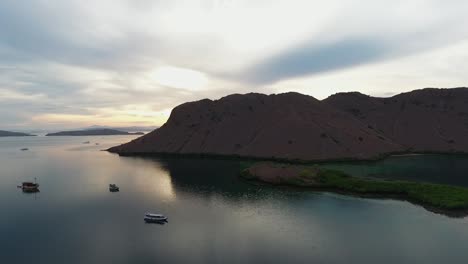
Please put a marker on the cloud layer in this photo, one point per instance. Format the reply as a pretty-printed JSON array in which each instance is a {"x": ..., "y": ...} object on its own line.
[{"x": 69, "y": 63}]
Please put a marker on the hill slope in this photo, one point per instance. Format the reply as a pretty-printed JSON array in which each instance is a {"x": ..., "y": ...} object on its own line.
[
  {"x": 285, "y": 126},
  {"x": 432, "y": 120}
]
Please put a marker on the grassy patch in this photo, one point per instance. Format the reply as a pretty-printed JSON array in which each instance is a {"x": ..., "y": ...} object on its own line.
[{"x": 435, "y": 195}]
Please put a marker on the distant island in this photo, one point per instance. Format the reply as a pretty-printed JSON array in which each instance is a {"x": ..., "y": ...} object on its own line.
[
  {"x": 94, "y": 132},
  {"x": 4, "y": 133},
  {"x": 299, "y": 128},
  {"x": 122, "y": 128},
  {"x": 445, "y": 199}
]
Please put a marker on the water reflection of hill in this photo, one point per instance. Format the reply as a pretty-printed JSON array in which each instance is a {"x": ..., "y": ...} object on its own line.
[
  {"x": 442, "y": 169},
  {"x": 207, "y": 177},
  {"x": 203, "y": 174}
]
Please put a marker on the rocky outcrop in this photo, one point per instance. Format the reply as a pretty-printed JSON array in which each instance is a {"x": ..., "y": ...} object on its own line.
[
  {"x": 284, "y": 126},
  {"x": 427, "y": 120}
]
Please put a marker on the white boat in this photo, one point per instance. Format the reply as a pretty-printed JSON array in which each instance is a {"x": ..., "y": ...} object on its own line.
[
  {"x": 113, "y": 188},
  {"x": 155, "y": 218}
]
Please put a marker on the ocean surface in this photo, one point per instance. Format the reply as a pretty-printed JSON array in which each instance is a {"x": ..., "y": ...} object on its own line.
[{"x": 214, "y": 217}]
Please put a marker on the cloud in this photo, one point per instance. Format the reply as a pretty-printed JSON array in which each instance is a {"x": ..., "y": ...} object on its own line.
[
  {"x": 8, "y": 95},
  {"x": 310, "y": 59},
  {"x": 98, "y": 60},
  {"x": 443, "y": 67},
  {"x": 359, "y": 41}
]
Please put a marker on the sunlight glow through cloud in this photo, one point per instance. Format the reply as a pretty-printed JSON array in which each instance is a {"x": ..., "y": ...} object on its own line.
[{"x": 180, "y": 78}]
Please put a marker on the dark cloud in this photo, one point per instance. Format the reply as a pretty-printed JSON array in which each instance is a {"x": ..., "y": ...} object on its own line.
[
  {"x": 35, "y": 30},
  {"x": 312, "y": 59},
  {"x": 62, "y": 32}
]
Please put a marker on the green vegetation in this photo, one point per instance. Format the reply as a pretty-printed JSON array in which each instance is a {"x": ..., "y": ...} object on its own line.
[{"x": 437, "y": 196}]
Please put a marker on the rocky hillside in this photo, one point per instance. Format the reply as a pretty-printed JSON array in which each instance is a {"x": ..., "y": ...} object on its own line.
[
  {"x": 285, "y": 126},
  {"x": 434, "y": 120}
]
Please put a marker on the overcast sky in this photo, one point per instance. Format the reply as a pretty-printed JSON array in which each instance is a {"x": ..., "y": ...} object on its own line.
[{"x": 66, "y": 64}]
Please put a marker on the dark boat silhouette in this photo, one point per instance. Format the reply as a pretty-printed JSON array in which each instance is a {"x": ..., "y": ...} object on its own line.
[{"x": 30, "y": 187}]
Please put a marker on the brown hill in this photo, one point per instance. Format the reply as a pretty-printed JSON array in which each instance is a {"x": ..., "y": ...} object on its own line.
[
  {"x": 433, "y": 120},
  {"x": 285, "y": 126}
]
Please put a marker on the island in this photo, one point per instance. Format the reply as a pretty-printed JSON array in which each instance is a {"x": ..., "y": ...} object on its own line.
[
  {"x": 94, "y": 132},
  {"x": 445, "y": 199},
  {"x": 295, "y": 127},
  {"x": 4, "y": 133}
]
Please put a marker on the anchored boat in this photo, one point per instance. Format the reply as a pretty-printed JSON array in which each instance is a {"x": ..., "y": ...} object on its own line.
[
  {"x": 155, "y": 218},
  {"x": 113, "y": 188},
  {"x": 30, "y": 186}
]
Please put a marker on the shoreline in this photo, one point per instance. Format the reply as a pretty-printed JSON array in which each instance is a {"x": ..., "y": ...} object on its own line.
[
  {"x": 282, "y": 160},
  {"x": 449, "y": 212},
  {"x": 456, "y": 213},
  {"x": 443, "y": 199}
]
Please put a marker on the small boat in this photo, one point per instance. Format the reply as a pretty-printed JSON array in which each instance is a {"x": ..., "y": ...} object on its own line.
[
  {"x": 30, "y": 187},
  {"x": 86, "y": 142},
  {"x": 155, "y": 218},
  {"x": 113, "y": 188},
  {"x": 24, "y": 149}
]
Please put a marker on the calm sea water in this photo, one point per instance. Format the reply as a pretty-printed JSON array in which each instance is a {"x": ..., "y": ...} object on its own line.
[{"x": 213, "y": 216}]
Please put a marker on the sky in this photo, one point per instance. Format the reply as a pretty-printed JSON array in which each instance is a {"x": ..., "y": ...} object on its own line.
[{"x": 70, "y": 63}]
